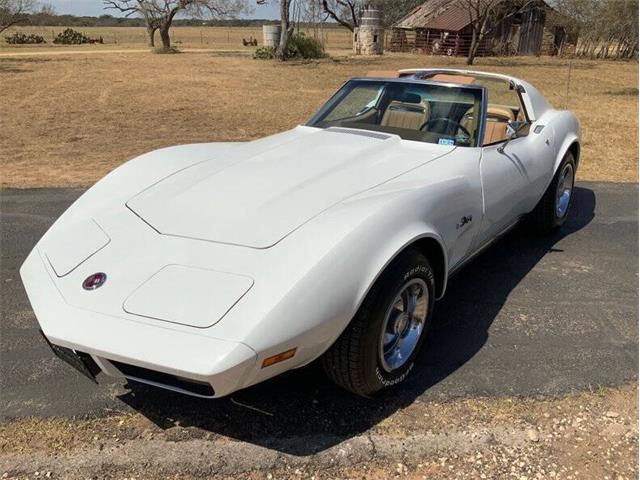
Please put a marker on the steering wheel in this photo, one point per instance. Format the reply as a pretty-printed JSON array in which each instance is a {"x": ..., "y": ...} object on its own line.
[{"x": 458, "y": 125}]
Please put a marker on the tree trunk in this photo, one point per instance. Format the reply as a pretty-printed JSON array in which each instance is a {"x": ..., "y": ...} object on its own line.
[
  {"x": 151, "y": 32},
  {"x": 283, "y": 47},
  {"x": 472, "y": 48},
  {"x": 164, "y": 35},
  {"x": 479, "y": 32}
]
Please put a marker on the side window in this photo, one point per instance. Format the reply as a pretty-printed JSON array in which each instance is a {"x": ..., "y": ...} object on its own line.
[
  {"x": 351, "y": 105},
  {"x": 503, "y": 106}
]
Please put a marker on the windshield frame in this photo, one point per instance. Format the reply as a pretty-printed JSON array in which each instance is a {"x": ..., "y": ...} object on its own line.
[{"x": 342, "y": 91}]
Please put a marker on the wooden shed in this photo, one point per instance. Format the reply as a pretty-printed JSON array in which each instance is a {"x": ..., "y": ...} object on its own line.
[{"x": 444, "y": 27}]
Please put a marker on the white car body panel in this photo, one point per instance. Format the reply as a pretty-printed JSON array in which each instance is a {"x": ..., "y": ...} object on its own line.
[
  {"x": 289, "y": 232},
  {"x": 191, "y": 295},
  {"x": 71, "y": 245},
  {"x": 259, "y": 196}
]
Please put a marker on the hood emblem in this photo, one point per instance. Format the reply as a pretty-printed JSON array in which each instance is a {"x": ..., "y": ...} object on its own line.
[{"x": 94, "y": 281}]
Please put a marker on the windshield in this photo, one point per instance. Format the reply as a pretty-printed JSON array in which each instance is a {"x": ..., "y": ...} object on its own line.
[{"x": 446, "y": 115}]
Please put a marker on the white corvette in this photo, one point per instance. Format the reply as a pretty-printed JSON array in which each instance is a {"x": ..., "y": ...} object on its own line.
[{"x": 208, "y": 268}]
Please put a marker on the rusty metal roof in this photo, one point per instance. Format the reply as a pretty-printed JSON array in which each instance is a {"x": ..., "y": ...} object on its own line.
[
  {"x": 448, "y": 15},
  {"x": 438, "y": 15}
]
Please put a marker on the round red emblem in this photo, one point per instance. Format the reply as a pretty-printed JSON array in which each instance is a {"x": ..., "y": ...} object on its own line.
[{"x": 94, "y": 281}]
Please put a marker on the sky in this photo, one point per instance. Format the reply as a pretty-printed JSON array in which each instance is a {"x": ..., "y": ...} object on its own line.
[{"x": 95, "y": 8}]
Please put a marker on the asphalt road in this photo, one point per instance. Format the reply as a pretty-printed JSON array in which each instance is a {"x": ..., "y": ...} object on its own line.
[{"x": 531, "y": 317}]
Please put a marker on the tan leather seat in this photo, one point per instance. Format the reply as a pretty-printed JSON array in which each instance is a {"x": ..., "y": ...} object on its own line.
[
  {"x": 496, "y": 127},
  {"x": 494, "y": 131},
  {"x": 500, "y": 113},
  {"x": 410, "y": 116}
]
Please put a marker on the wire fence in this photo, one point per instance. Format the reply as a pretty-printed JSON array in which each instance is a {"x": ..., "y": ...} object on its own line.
[
  {"x": 459, "y": 44},
  {"x": 551, "y": 43}
]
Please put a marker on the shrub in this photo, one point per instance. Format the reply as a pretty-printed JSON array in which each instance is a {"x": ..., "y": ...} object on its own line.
[
  {"x": 301, "y": 46},
  {"x": 71, "y": 37},
  {"x": 19, "y": 38},
  {"x": 265, "y": 53}
]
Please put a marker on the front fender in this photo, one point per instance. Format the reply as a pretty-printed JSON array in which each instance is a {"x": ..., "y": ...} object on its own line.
[{"x": 313, "y": 282}]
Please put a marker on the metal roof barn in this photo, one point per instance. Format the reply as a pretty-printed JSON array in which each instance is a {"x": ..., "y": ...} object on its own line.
[{"x": 445, "y": 27}]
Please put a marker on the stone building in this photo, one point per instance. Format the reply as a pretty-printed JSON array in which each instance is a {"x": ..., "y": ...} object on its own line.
[{"x": 368, "y": 38}]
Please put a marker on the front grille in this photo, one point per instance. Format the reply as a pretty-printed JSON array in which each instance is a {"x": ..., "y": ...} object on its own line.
[{"x": 164, "y": 379}]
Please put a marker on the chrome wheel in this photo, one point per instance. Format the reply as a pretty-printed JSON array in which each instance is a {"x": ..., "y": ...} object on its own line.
[
  {"x": 403, "y": 324},
  {"x": 564, "y": 190}
]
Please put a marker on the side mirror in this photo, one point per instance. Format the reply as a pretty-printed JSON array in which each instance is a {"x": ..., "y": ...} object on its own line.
[{"x": 513, "y": 131}]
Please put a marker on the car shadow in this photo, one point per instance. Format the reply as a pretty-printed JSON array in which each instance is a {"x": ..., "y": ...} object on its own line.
[{"x": 302, "y": 412}]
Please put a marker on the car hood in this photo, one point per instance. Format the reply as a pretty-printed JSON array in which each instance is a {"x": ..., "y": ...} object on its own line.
[{"x": 256, "y": 196}]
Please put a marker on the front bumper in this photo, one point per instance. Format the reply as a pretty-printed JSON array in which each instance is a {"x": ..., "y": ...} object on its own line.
[{"x": 112, "y": 341}]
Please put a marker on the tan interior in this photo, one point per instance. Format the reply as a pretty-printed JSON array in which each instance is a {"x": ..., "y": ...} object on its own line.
[
  {"x": 494, "y": 132},
  {"x": 497, "y": 119},
  {"x": 405, "y": 115},
  {"x": 500, "y": 113},
  {"x": 413, "y": 116},
  {"x": 496, "y": 128}
]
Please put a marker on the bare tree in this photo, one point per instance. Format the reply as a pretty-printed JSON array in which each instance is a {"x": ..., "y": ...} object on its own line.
[
  {"x": 13, "y": 12},
  {"x": 159, "y": 14},
  {"x": 345, "y": 12},
  {"x": 485, "y": 16},
  {"x": 394, "y": 10},
  {"x": 606, "y": 27},
  {"x": 47, "y": 8},
  {"x": 282, "y": 52},
  {"x": 348, "y": 13}
]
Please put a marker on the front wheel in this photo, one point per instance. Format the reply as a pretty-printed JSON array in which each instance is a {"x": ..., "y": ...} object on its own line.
[
  {"x": 553, "y": 209},
  {"x": 379, "y": 347}
]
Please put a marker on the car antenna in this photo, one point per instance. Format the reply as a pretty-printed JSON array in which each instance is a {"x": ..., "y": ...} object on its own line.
[{"x": 566, "y": 101}]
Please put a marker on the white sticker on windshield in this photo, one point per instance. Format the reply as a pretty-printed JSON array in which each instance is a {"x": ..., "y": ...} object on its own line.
[{"x": 446, "y": 141}]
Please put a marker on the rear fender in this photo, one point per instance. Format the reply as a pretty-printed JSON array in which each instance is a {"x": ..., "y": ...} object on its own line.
[{"x": 567, "y": 131}]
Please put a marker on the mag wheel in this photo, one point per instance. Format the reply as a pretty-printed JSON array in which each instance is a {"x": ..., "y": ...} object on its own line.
[
  {"x": 564, "y": 190},
  {"x": 403, "y": 324},
  {"x": 379, "y": 347},
  {"x": 554, "y": 206}
]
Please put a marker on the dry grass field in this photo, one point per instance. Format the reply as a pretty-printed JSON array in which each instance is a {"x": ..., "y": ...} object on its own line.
[
  {"x": 219, "y": 38},
  {"x": 69, "y": 119}
]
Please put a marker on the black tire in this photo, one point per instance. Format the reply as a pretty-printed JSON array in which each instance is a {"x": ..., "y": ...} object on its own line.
[
  {"x": 353, "y": 361},
  {"x": 545, "y": 217}
]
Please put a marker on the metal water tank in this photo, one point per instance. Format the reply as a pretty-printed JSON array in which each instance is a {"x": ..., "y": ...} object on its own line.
[
  {"x": 371, "y": 17},
  {"x": 271, "y": 35}
]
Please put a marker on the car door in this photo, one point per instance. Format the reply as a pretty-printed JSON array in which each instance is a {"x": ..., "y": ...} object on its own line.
[
  {"x": 511, "y": 173},
  {"x": 505, "y": 176}
]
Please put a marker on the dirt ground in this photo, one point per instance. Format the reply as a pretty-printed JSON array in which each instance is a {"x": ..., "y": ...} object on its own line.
[
  {"x": 589, "y": 435},
  {"x": 69, "y": 119}
]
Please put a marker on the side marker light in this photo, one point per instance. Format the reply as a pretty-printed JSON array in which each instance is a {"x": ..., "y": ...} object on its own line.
[{"x": 280, "y": 357}]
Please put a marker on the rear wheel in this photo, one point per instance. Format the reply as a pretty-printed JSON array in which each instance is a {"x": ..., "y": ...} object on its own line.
[
  {"x": 553, "y": 209},
  {"x": 378, "y": 348}
]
